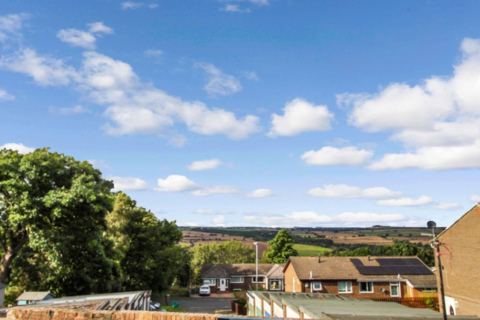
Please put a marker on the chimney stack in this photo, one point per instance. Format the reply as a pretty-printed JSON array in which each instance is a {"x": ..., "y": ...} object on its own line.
[{"x": 369, "y": 258}]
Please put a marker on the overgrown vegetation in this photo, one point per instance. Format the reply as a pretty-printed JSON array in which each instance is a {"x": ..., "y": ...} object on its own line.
[{"x": 63, "y": 230}]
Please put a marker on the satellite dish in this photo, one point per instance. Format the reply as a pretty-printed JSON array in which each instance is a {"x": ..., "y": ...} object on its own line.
[{"x": 431, "y": 224}]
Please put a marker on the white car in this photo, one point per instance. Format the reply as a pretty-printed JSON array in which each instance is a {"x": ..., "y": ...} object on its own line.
[{"x": 204, "y": 291}]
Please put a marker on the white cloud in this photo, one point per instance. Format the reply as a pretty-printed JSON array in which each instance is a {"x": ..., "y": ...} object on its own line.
[
  {"x": 250, "y": 75},
  {"x": 330, "y": 156},
  {"x": 219, "y": 83},
  {"x": 310, "y": 218},
  {"x": 234, "y": 8},
  {"x": 77, "y": 38},
  {"x": 128, "y": 184},
  {"x": 18, "y": 147},
  {"x": 447, "y": 206},
  {"x": 4, "y": 95},
  {"x": 219, "y": 220},
  {"x": 261, "y": 193},
  {"x": 475, "y": 198},
  {"x": 215, "y": 190},
  {"x": 364, "y": 217},
  {"x": 84, "y": 39},
  {"x": 346, "y": 192},
  {"x": 99, "y": 164},
  {"x": 204, "y": 165},
  {"x": 439, "y": 118},
  {"x": 153, "y": 54},
  {"x": 132, "y": 107},
  {"x": 46, "y": 71},
  {"x": 135, "y": 5},
  {"x": 257, "y": 2},
  {"x": 176, "y": 183},
  {"x": 300, "y": 116},
  {"x": 99, "y": 27},
  {"x": 69, "y": 111},
  {"x": 405, "y": 202},
  {"x": 206, "y": 211},
  {"x": 10, "y": 26}
]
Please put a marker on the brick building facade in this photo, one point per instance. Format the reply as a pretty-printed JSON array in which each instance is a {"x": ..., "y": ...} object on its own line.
[{"x": 460, "y": 256}]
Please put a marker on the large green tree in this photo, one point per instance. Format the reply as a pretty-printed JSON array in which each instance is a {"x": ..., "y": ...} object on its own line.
[
  {"x": 225, "y": 252},
  {"x": 281, "y": 248},
  {"x": 149, "y": 255},
  {"x": 52, "y": 220}
]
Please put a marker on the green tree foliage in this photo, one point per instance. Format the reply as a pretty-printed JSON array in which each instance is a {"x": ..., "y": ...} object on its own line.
[
  {"x": 52, "y": 220},
  {"x": 225, "y": 252},
  {"x": 399, "y": 248},
  {"x": 281, "y": 248},
  {"x": 146, "y": 247}
]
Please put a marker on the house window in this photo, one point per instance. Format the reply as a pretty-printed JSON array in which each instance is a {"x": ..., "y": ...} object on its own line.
[
  {"x": 209, "y": 282},
  {"x": 366, "y": 287},
  {"x": 344, "y": 286},
  {"x": 429, "y": 290},
  {"x": 275, "y": 284},
  {"x": 260, "y": 280},
  {"x": 394, "y": 289},
  {"x": 236, "y": 280},
  {"x": 316, "y": 286}
]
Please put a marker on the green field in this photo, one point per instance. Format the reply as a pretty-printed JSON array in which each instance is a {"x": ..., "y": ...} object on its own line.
[{"x": 305, "y": 250}]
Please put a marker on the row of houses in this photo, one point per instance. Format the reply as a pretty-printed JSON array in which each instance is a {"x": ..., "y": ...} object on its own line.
[
  {"x": 359, "y": 277},
  {"x": 457, "y": 261}
]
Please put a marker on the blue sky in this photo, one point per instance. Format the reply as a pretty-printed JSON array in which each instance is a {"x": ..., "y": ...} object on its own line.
[{"x": 255, "y": 112}]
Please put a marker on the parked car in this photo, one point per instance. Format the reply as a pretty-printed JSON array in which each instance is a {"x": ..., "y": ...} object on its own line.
[{"x": 204, "y": 291}]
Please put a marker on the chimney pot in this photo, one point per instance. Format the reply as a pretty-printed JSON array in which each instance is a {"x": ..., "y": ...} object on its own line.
[{"x": 369, "y": 258}]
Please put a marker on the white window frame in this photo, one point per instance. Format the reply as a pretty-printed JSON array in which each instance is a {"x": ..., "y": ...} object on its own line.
[
  {"x": 254, "y": 279},
  {"x": 315, "y": 283},
  {"x": 210, "y": 284},
  {"x": 232, "y": 281},
  {"x": 365, "y": 291},
  {"x": 346, "y": 287},
  {"x": 270, "y": 284},
  {"x": 395, "y": 284}
]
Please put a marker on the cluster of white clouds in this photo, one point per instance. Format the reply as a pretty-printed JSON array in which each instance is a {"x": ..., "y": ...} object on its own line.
[
  {"x": 135, "y": 5},
  {"x": 17, "y": 147},
  {"x": 84, "y": 39},
  {"x": 205, "y": 165},
  {"x": 128, "y": 184},
  {"x": 10, "y": 26},
  {"x": 385, "y": 197},
  {"x": 69, "y": 111},
  {"x": 132, "y": 107},
  {"x": 439, "y": 119},
  {"x": 332, "y": 156},
  {"x": 310, "y": 218},
  {"x": 219, "y": 83}
]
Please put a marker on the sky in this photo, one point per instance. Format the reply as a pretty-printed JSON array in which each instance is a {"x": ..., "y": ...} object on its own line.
[{"x": 275, "y": 113}]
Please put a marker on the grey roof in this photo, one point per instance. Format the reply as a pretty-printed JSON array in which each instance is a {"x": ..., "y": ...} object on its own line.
[
  {"x": 329, "y": 306},
  {"x": 228, "y": 270},
  {"x": 34, "y": 295}
]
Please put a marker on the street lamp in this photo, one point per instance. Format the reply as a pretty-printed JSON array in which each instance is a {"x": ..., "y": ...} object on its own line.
[{"x": 256, "y": 263}]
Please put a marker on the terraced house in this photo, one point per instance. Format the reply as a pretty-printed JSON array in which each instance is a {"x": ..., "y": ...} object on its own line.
[
  {"x": 240, "y": 277},
  {"x": 361, "y": 277}
]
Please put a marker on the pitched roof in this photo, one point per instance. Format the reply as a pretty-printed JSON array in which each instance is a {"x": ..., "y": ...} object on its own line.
[
  {"x": 228, "y": 270},
  {"x": 342, "y": 268},
  {"x": 276, "y": 271},
  {"x": 34, "y": 295}
]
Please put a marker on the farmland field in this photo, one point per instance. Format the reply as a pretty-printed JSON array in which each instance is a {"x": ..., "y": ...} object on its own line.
[{"x": 305, "y": 250}]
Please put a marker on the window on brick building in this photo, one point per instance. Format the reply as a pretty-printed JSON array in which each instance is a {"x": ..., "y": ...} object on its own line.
[
  {"x": 344, "y": 286},
  {"x": 366, "y": 287}
]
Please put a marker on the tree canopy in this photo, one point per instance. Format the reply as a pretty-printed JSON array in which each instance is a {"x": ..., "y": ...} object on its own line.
[
  {"x": 281, "y": 248},
  {"x": 63, "y": 230}
]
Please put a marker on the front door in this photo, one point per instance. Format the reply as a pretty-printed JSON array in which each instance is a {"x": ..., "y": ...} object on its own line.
[{"x": 223, "y": 284}]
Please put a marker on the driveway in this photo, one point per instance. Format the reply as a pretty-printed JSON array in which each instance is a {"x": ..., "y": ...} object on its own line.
[{"x": 203, "y": 304}]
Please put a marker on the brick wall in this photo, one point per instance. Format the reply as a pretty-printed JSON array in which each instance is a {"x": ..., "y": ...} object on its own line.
[
  {"x": 290, "y": 274},
  {"x": 68, "y": 314},
  {"x": 460, "y": 257}
]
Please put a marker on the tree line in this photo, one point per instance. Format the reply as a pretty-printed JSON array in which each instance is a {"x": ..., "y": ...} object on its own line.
[{"x": 63, "y": 230}]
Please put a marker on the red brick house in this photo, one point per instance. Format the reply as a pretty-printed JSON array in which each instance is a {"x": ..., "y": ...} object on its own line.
[
  {"x": 460, "y": 255},
  {"x": 241, "y": 277},
  {"x": 360, "y": 277}
]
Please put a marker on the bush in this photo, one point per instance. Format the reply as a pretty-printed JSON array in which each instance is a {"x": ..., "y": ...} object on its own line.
[{"x": 242, "y": 301}]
